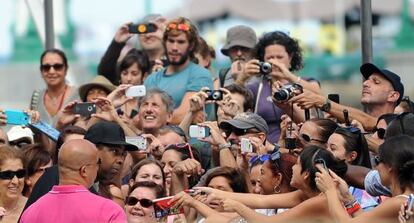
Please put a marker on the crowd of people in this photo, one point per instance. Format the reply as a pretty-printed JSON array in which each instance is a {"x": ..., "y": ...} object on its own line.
[{"x": 160, "y": 136}]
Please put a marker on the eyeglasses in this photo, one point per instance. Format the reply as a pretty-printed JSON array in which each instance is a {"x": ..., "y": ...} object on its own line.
[
  {"x": 56, "y": 67},
  {"x": 181, "y": 146},
  {"x": 131, "y": 201},
  {"x": 8, "y": 174},
  {"x": 377, "y": 160},
  {"x": 180, "y": 27},
  {"x": 308, "y": 139},
  {"x": 380, "y": 132}
]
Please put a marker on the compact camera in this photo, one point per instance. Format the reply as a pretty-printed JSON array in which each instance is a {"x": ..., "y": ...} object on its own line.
[
  {"x": 142, "y": 28},
  {"x": 287, "y": 92},
  {"x": 214, "y": 95},
  {"x": 136, "y": 91},
  {"x": 139, "y": 141},
  {"x": 265, "y": 67}
]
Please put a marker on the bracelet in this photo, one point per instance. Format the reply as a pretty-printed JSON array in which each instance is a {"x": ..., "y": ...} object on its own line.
[{"x": 224, "y": 146}]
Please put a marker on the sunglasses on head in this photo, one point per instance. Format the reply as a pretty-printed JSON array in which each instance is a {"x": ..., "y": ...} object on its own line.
[
  {"x": 380, "y": 132},
  {"x": 131, "y": 201},
  {"x": 308, "y": 139},
  {"x": 57, "y": 67},
  {"x": 8, "y": 174},
  {"x": 180, "y": 27},
  {"x": 377, "y": 160},
  {"x": 181, "y": 146}
]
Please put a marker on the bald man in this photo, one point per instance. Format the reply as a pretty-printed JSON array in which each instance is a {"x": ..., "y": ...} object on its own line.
[{"x": 71, "y": 201}]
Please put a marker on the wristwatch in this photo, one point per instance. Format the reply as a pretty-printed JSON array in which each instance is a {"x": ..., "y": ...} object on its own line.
[
  {"x": 327, "y": 106},
  {"x": 224, "y": 146}
]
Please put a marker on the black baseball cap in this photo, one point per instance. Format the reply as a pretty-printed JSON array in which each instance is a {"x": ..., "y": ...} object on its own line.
[
  {"x": 108, "y": 133},
  {"x": 368, "y": 69}
]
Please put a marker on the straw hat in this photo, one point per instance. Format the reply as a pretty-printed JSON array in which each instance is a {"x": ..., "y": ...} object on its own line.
[{"x": 98, "y": 82}]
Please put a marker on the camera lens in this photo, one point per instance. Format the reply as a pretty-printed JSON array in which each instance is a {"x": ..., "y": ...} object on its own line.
[
  {"x": 281, "y": 95},
  {"x": 217, "y": 95},
  {"x": 265, "y": 68},
  {"x": 90, "y": 108}
]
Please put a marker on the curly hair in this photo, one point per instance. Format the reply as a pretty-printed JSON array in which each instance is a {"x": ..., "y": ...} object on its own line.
[{"x": 291, "y": 45}]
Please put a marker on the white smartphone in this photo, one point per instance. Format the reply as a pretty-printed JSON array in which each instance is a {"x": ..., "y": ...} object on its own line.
[
  {"x": 138, "y": 141},
  {"x": 135, "y": 91},
  {"x": 196, "y": 131},
  {"x": 246, "y": 146}
]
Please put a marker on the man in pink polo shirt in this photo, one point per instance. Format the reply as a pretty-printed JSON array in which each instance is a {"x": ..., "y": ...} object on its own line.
[{"x": 71, "y": 201}]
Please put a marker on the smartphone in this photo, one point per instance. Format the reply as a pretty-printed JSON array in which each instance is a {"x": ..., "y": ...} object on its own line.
[
  {"x": 85, "y": 109},
  {"x": 246, "y": 146},
  {"x": 323, "y": 163},
  {"x": 17, "y": 117},
  {"x": 214, "y": 95},
  {"x": 334, "y": 98},
  {"x": 136, "y": 91},
  {"x": 346, "y": 117},
  {"x": 46, "y": 129},
  {"x": 162, "y": 208},
  {"x": 409, "y": 206},
  {"x": 138, "y": 141},
  {"x": 197, "y": 131},
  {"x": 142, "y": 28}
]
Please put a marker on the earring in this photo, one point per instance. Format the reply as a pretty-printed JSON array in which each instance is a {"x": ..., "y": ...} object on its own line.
[{"x": 276, "y": 189}]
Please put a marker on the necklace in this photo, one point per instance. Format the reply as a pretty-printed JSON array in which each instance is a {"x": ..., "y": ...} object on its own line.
[
  {"x": 9, "y": 212},
  {"x": 53, "y": 100}
]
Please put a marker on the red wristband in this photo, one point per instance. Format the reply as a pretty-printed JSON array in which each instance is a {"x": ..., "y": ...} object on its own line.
[{"x": 354, "y": 208}]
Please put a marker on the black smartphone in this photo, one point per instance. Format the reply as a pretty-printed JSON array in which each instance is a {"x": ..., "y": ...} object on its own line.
[
  {"x": 85, "y": 109},
  {"x": 346, "y": 117},
  {"x": 142, "y": 28},
  {"x": 323, "y": 163},
  {"x": 334, "y": 98}
]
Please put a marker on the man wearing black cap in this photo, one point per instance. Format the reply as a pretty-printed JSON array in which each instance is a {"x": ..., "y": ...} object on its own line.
[
  {"x": 382, "y": 91},
  {"x": 240, "y": 42}
]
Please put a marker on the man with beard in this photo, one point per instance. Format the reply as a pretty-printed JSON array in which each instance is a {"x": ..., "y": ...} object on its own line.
[
  {"x": 151, "y": 44},
  {"x": 181, "y": 78},
  {"x": 240, "y": 42}
]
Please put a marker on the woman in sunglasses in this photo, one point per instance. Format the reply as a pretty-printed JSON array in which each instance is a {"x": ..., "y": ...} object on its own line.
[
  {"x": 304, "y": 203},
  {"x": 395, "y": 165},
  {"x": 49, "y": 101},
  {"x": 12, "y": 175},
  {"x": 138, "y": 204},
  {"x": 349, "y": 144}
]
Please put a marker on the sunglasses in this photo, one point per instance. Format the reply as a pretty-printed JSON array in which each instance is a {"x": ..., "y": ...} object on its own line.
[
  {"x": 179, "y": 146},
  {"x": 380, "y": 132},
  {"x": 56, "y": 67},
  {"x": 377, "y": 160},
  {"x": 131, "y": 201},
  {"x": 240, "y": 132},
  {"x": 259, "y": 158},
  {"x": 8, "y": 174},
  {"x": 308, "y": 139},
  {"x": 180, "y": 27}
]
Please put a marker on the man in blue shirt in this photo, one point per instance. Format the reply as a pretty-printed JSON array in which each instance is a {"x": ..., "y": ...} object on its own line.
[{"x": 181, "y": 78}]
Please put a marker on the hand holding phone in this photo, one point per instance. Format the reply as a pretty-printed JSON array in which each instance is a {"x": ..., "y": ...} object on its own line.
[
  {"x": 85, "y": 109},
  {"x": 408, "y": 210},
  {"x": 135, "y": 91},
  {"x": 163, "y": 207},
  {"x": 16, "y": 117},
  {"x": 246, "y": 146},
  {"x": 196, "y": 131}
]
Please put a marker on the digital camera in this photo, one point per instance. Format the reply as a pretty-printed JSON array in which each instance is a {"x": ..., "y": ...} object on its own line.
[
  {"x": 142, "y": 28},
  {"x": 214, "y": 95},
  {"x": 265, "y": 67},
  {"x": 287, "y": 92}
]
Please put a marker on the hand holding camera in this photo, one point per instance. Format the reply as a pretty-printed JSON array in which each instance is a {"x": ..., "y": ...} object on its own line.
[
  {"x": 286, "y": 92},
  {"x": 122, "y": 35},
  {"x": 118, "y": 97},
  {"x": 308, "y": 99}
]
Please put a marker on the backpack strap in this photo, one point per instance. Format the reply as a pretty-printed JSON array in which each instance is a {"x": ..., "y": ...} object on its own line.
[{"x": 222, "y": 75}]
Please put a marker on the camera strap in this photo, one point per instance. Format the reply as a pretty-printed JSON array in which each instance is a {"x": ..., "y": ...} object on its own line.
[{"x": 259, "y": 92}]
